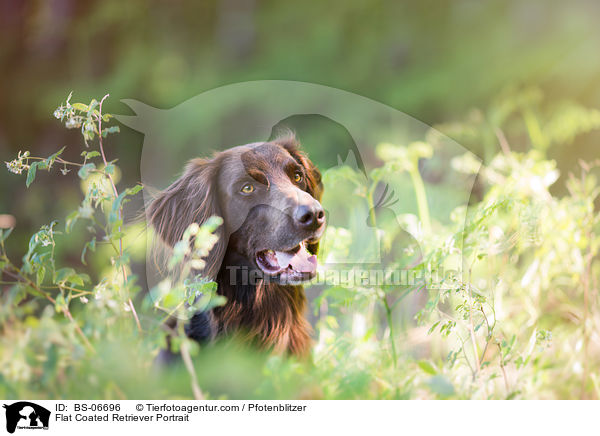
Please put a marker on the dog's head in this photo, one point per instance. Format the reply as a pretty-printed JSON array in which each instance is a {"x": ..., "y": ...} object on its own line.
[{"x": 268, "y": 196}]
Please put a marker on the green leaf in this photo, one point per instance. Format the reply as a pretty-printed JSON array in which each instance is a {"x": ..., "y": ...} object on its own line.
[
  {"x": 80, "y": 107},
  {"x": 122, "y": 260},
  {"x": 60, "y": 303},
  {"x": 512, "y": 395},
  {"x": 76, "y": 280},
  {"x": 209, "y": 302},
  {"x": 108, "y": 130},
  {"x": 427, "y": 367},
  {"x": 432, "y": 328},
  {"x": 5, "y": 233},
  {"x": 50, "y": 160},
  {"x": 113, "y": 216},
  {"x": 91, "y": 245},
  {"x": 93, "y": 104},
  {"x": 85, "y": 170},
  {"x": 90, "y": 154},
  {"x": 31, "y": 173},
  {"x": 174, "y": 296},
  {"x": 71, "y": 220},
  {"x": 134, "y": 190},
  {"x": 196, "y": 288},
  {"x": 41, "y": 273},
  {"x": 63, "y": 274},
  {"x": 109, "y": 169}
]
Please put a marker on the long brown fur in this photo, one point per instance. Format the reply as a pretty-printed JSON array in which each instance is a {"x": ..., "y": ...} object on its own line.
[
  {"x": 269, "y": 314},
  {"x": 272, "y": 316}
]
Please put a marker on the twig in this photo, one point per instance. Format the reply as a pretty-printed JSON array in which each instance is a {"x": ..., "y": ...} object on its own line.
[
  {"x": 462, "y": 347},
  {"x": 502, "y": 141},
  {"x": 421, "y": 196},
  {"x": 187, "y": 360},
  {"x": 586, "y": 292},
  {"x": 120, "y": 251},
  {"x": 67, "y": 313},
  {"x": 22, "y": 279},
  {"x": 503, "y": 370},
  {"x": 58, "y": 159},
  {"x": 472, "y": 326},
  {"x": 388, "y": 309},
  {"x": 388, "y": 313},
  {"x": 490, "y": 330}
]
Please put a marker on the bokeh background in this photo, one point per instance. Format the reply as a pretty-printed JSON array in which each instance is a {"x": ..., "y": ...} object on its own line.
[
  {"x": 434, "y": 60},
  {"x": 437, "y": 61}
]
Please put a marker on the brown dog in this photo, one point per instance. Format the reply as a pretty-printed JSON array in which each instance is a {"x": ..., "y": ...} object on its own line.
[{"x": 268, "y": 196}]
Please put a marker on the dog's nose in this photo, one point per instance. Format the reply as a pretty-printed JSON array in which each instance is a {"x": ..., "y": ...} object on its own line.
[{"x": 310, "y": 217}]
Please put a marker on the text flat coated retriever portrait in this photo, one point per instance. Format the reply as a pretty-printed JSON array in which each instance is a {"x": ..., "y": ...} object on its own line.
[{"x": 268, "y": 196}]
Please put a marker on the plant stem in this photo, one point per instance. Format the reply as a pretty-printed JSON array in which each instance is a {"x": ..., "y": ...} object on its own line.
[
  {"x": 116, "y": 193},
  {"x": 388, "y": 313},
  {"x": 187, "y": 360},
  {"x": 58, "y": 159},
  {"x": 371, "y": 205},
  {"x": 534, "y": 130},
  {"x": 22, "y": 279},
  {"x": 472, "y": 327},
  {"x": 504, "y": 376},
  {"x": 490, "y": 330},
  {"x": 586, "y": 292},
  {"x": 421, "y": 195},
  {"x": 388, "y": 309}
]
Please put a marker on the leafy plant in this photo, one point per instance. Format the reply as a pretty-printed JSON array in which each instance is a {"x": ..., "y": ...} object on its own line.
[{"x": 518, "y": 320}]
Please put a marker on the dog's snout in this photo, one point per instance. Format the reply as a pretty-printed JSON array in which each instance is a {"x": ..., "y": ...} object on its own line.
[{"x": 310, "y": 217}]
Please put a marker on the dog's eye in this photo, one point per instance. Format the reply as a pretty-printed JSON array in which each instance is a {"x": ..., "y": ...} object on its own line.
[
  {"x": 297, "y": 177},
  {"x": 248, "y": 188}
]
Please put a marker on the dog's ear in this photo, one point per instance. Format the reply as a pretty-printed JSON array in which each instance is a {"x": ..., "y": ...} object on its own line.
[
  {"x": 313, "y": 175},
  {"x": 192, "y": 198}
]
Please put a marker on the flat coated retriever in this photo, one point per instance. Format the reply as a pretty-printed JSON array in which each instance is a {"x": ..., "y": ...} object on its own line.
[{"x": 268, "y": 196}]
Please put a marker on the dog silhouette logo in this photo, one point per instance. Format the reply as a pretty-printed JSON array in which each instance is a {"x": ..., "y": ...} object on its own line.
[
  {"x": 26, "y": 415},
  {"x": 257, "y": 111}
]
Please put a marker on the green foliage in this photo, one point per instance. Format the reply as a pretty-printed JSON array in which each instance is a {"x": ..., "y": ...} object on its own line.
[{"x": 519, "y": 320}]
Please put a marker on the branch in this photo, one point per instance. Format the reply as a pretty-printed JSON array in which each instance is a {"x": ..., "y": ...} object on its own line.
[{"x": 116, "y": 193}]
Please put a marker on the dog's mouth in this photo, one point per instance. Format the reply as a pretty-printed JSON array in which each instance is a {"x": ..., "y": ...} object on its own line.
[{"x": 294, "y": 265}]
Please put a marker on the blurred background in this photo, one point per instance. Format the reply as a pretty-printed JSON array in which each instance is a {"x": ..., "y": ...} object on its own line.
[
  {"x": 435, "y": 60},
  {"x": 439, "y": 61}
]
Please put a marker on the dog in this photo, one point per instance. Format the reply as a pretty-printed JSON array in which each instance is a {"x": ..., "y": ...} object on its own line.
[{"x": 268, "y": 195}]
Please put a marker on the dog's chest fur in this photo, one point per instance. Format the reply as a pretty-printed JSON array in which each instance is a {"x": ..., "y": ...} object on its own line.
[{"x": 267, "y": 313}]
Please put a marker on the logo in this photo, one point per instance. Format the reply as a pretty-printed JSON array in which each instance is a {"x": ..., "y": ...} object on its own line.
[
  {"x": 370, "y": 197},
  {"x": 26, "y": 415}
]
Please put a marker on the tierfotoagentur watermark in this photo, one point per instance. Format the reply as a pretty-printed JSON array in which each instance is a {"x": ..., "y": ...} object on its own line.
[
  {"x": 371, "y": 223},
  {"x": 359, "y": 276}
]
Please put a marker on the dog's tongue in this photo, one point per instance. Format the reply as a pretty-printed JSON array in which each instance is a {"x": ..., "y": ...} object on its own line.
[{"x": 301, "y": 260}]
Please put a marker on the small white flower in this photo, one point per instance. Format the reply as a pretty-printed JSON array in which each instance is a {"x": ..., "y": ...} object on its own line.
[
  {"x": 16, "y": 166},
  {"x": 72, "y": 123}
]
